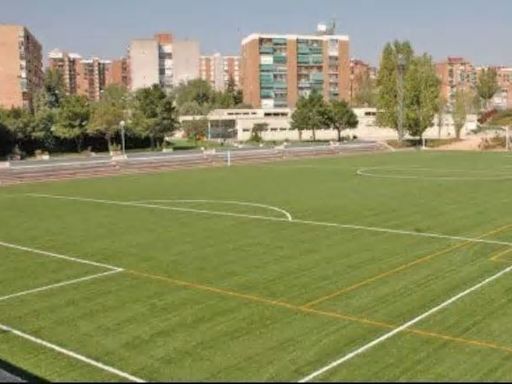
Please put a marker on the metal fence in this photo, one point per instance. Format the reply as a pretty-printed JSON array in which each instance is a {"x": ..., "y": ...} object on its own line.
[{"x": 36, "y": 171}]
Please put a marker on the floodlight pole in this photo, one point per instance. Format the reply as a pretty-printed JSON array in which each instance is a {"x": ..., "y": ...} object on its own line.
[
  {"x": 400, "y": 89},
  {"x": 121, "y": 126}
]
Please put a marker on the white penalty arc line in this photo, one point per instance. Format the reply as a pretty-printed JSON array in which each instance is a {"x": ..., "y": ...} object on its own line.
[
  {"x": 56, "y": 255},
  {"x": 401, "y": 328},
  {"x": 72, "y": 354},
  {"x": 278, "y": 219},
  {"x": 232, "y": 202},
  {"x": 58, "y": 285}
]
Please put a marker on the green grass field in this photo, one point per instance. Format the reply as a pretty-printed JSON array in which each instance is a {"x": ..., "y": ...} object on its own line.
[{"x": 264, "y": 272}]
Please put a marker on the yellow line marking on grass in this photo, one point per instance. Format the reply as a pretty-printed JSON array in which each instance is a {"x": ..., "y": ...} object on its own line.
[
  {"x": 307, "y": 310},
  {"x": 497, "y": 257},
  {"x": 401, "y": 268}
]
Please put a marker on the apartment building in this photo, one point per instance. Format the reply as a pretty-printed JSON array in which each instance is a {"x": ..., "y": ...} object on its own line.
[
  {"x": 219, "y": 70},
  {"x": 68, "y": 65},
  {"x": 94, "y": 77},
  {"x": 456, "y": 73},
  {"x": 21, "y": 66},
  {"x": 162, "y": 60},
  {"x": 278, "y": 69},
  {"x": 144, "y": 63},
  {"x": 120, "y": 73},
  {"x": 86, "y": 77},
  {"x": 359, "y": 73}
]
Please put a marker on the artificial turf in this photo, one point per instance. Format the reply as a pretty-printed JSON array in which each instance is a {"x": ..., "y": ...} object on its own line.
[{"x": 215, "y": 290}]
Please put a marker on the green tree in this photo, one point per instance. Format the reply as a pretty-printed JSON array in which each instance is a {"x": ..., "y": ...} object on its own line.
[
  {"x": 502, "y": 119},
  {"x": 72, "y": 119},
  {"x": 342, "y": 117},
  {"x": 235, "y": 94},
  {"x": 108, "y": 113},
  {"x": 53, "y": 88},
  {"x": 154, "y": 114},
  {"x": 198, "y": 90},
  {"x": 442, "y": 105},
  {"x": 6, "y": 137},
  {"x": 20, "y": 123},
  {"x": 311, "y": 113},
  {"x": 366, "y": 95},
  {"x": 388, "y": 83},
  {"x": 459, "y": 112},
  {"x": 421, "y": 95},
  {"x": 487, "y": 85},
  {"x": 192, "y": 108},
  {"x": 256, "y": 131},
  {"x": 195, "y": 129}
]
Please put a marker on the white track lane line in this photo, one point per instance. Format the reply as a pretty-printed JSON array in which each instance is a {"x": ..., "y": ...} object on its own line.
[
  {"x": 58, "y": 256},
  {"x": 296, "y": 221},
  {"x": 403, "y": 327},
  {"x": 72, "y": 354},
  {"x": 58, "y": 285}
]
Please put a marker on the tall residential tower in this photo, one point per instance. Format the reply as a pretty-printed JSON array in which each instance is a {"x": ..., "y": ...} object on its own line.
[
  {"x": 163, "y": 60},
  {"x": 219, "y": 70},
  {"x": 277, "y": 69},
  {"x": 21, "y": 66}
]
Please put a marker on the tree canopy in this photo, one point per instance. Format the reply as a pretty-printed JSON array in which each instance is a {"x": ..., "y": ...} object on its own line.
[
  {"x": 388, "y": 82},
  {"x": 487, "y": 84},
  {"x": 108, "y": 113},
  {"x": 341, "y": 116},
  {"x": 421, "y": 95},
  {"x": 153, "y": 113},
  {"x": 72, "y": 119},
  {"x": 311, "y": 113},
  {"x": 459, "y": 112}
]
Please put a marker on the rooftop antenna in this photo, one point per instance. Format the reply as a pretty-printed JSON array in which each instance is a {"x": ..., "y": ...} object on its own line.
[{"x": 327, "y": 28}]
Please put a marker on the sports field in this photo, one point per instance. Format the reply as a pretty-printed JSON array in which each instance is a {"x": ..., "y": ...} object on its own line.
[{"x": 392, "y": 266}]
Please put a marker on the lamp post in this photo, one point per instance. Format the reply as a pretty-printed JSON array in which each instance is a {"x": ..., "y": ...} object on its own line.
[
  {"x": 121, "y": 126},
  {"x": 400, "y": 89}
]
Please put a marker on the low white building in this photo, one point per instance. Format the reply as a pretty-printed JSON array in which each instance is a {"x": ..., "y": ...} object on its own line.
[{"x": 238, "y": 124}]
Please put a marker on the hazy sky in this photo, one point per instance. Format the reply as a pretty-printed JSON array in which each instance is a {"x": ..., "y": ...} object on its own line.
[{"x": 480, "y": 30}]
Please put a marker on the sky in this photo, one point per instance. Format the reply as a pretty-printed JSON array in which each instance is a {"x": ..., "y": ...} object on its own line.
[{"x": 479, "y": 30}]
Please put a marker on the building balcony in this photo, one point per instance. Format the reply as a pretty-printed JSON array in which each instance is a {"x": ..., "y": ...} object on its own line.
[{"x": 266, "y": 49}]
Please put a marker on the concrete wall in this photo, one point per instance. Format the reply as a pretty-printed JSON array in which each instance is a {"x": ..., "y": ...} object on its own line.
[
  {"x": 186, "y": 59},
  {"x": 144, "y": 63},
  {"x": 279, "y": 125}
]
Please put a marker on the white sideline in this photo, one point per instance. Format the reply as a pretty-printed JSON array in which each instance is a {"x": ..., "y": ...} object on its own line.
[
  {"x": 58, "y": 256},
  {"x": 46, "y": 344},
  {"x": 57, "y": 285},
  {"x": 297, "y": 221},
  {"x": 401, "y": 328},
  {"x": 75, "y": 355},
  {"x": 367, "y": 172},
  {"x": 233, "y": 202}
]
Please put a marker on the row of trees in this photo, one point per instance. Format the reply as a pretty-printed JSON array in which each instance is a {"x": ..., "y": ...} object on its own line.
[
  {"x": 148, "y": 114},
  {"x": 406, "y": 94},
  {"x": 313, "y": 113}
]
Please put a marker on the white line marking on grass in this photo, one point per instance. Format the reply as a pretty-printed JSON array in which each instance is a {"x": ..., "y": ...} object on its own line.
[
  {"x": 403, "y": 327},
  {"x": 58, "y": 285},
  {"x": 58, "y": 256},
  {"x": 367, "y": 172},
  {"x": 268, "y": 218},
  {"x": 72, "y": 354},
  {"x": 242, "y": 203}
]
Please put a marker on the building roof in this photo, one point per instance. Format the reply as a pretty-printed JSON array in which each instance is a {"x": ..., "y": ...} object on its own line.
[{"x": 255, "y": 36}]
